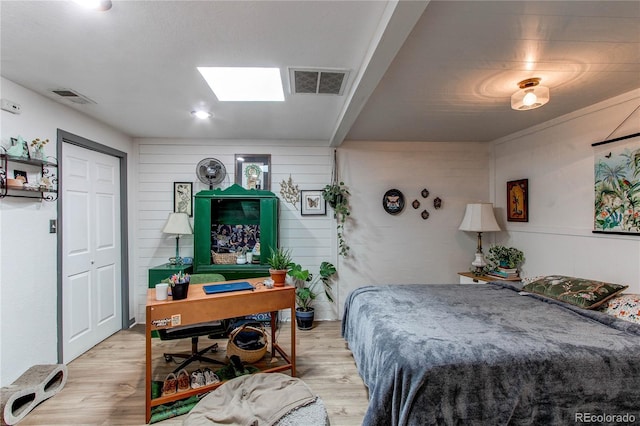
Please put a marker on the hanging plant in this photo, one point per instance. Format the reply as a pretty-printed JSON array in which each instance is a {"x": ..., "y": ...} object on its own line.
[{"x": 337, "y": 195}]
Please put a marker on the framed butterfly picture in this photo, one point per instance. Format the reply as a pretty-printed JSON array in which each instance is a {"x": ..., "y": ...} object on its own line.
[{"x": 312, "y": 203}]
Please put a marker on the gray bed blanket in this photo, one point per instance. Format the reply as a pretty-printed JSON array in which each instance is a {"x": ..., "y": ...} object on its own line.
[{"x": 487, "y": 355}]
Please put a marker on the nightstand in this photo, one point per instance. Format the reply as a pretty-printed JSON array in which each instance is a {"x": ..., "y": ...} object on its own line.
[{"x": 471, "y": 278}]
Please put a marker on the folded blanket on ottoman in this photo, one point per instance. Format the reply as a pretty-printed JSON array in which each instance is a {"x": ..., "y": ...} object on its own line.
[{"x": 258, "y": 399}]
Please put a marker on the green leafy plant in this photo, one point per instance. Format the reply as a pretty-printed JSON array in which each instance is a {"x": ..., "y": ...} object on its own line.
[
  {"x": 337, "y": 195},
  {"x": 306, "y": 284},
  {"x": 506, "y": 257},
  {"x": 279, "y": 259}
]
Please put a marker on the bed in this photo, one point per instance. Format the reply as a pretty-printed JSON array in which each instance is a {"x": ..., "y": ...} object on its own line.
[{"x": 489, "y": 355}]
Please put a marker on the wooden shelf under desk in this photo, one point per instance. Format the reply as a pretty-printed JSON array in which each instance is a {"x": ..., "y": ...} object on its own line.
[{"x": 199, "y": 307}]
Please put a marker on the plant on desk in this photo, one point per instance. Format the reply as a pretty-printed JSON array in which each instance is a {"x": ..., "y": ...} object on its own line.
[
  {"x": 306, "y": 291},
  {"x": 280, "y": 263},
  {"x": 179, "y": 285}
]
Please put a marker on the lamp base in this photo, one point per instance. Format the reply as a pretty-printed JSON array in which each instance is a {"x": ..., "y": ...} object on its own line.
[
  {"x": 176, "y": 261},
  {"x": 479, "y": 263}
]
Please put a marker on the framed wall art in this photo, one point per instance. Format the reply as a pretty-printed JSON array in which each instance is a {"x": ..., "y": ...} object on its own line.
[
  {"x": 183, "y": 197},
  {"x": 518, "y": 200},
  {"x": 312, "y": 203},
  {"x": 21, "y": 175},
  {"x": 253, "y": 171},
  {"x": 617, "y": 185},
  {"x": 393, "y": 201}
]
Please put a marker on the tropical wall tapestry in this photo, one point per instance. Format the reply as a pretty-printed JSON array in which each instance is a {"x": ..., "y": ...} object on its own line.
[{"x": 617, "y": 185}]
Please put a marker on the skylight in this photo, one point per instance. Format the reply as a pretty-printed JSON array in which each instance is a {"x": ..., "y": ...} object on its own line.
[{"x": 244, "y": 84}]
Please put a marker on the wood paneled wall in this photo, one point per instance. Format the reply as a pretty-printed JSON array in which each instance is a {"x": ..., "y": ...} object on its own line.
[{"x": 164, "y": 161}]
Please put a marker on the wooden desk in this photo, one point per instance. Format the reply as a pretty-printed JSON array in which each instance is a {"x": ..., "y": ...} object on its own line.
[{"x": 199, "y": 307}]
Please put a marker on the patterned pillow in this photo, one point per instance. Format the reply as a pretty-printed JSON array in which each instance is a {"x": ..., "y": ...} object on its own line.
[
  {"x": 588, "y": 294},
  {"x": 527, "y": 280},
  {"x": 625, "y": 307}
]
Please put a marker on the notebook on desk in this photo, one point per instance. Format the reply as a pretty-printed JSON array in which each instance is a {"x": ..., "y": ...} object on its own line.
[{"x": 225, "y": 288}]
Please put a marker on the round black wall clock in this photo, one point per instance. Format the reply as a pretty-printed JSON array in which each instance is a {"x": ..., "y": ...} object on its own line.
[{"x": 393, "y": 201}]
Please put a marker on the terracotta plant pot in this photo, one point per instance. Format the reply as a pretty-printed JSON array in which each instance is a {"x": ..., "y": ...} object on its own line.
[{"x": 278, "y": 276}]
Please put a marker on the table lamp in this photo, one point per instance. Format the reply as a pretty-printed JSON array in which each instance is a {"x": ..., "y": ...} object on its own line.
[
  {"x": 479, "y": 218},
  {"x": 177, "y": 224}
]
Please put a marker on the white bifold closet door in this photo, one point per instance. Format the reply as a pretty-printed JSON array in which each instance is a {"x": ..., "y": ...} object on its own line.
[{"x": 91, "y": 299}]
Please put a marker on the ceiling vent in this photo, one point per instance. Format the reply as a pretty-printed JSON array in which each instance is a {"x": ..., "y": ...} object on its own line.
[
  {"x": 72, "y": 96},
  {"x": 318, "y": 81}
]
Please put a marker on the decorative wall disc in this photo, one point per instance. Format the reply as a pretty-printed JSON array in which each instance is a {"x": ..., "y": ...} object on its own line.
[
  {"x": 425, "y": 193},
  {"x": 415, "y": 204},
  {"x": 393, "y": 201},
  {"x": 425, "y": 214},
  {"x": 437, "y": 203}
]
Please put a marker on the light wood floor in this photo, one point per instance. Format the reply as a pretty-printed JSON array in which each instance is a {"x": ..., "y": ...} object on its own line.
[{"x": 106, "y": 385}]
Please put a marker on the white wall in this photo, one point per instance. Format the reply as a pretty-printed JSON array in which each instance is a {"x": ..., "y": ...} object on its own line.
[
  {"x": 558, "y": 159},
  {"x": 28, "y": 293},
  {"x": 384, "y": 248},
  {"x": 404, "y": 248},
  {"x": 164, "y": 161}
]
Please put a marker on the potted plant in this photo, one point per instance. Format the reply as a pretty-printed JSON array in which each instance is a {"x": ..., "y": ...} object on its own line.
[
  {"x": 307, "y": 291},
  {"x": 179, "y": 285},
  {"x": 337, "y": 195},
  {"x": 504, "y": 260},
  {"x": 280, "y": 262}
]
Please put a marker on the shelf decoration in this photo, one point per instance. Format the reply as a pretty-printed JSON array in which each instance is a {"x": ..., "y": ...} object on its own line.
[
  {"x": 43, "y": 188},
  {"x": 19, "y": 148},
  {"x": 290, "y": 192},
  {"x": 38, "y": 148}
]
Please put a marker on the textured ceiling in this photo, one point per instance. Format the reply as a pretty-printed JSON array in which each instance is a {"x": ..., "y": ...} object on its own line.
[{"x": 438, "y": 71}]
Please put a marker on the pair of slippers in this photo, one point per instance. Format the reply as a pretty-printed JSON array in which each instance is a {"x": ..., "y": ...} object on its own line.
[
  {"x": 173, "y": 383},
  {"x": 200, "y": 378}
]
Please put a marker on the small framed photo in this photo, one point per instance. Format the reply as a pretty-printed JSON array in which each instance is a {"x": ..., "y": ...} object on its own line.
[
  {"x": 312, "y": 203},
  {"x": 20, "y": 175},
  {"x": 183, "y": 197},
  {"x": 253, "y": 171},
  {"x": 518, "y": 200}
]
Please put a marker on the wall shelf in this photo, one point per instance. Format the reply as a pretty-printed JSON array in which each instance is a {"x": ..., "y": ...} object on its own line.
[{"x": 48, "y": 169}]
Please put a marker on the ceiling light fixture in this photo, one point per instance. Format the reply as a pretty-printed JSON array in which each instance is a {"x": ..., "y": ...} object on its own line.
[
  {"x": 530, "y": 96},
  {"x": 201, "y": 114},
  {"x": 101, "y": 5},
  {"x": 249, "y": 84}
]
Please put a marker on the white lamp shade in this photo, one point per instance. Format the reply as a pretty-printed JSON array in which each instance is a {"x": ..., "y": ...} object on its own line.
[
  {"x": 178, "y": 224},
  {"x": 479, "y": 218}
]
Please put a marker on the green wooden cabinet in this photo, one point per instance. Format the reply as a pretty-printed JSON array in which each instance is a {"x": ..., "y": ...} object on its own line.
[
  {"x": 232, "y": 218},
  {"x": 161, "y": 272}
]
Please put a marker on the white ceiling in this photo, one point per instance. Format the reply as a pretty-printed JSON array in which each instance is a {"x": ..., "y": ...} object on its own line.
[{"x": 438, "y": 71}]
